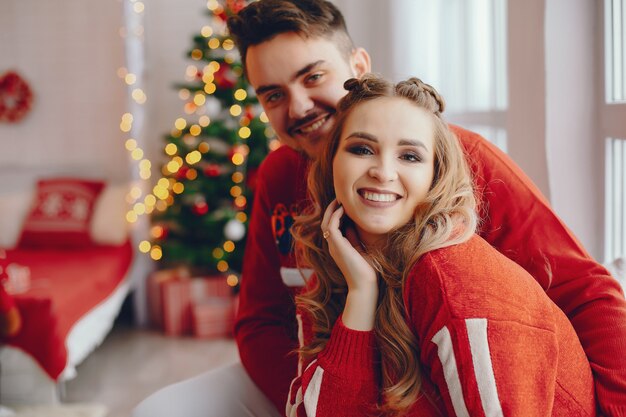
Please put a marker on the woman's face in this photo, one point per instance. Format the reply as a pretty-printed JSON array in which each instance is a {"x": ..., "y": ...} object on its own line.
[{"x": 384, "y": 165}]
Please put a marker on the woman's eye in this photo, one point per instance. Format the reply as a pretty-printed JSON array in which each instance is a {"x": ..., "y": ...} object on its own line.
[
  {"x": 360, "y": 150},
  {"x": 411, "y": 157}
]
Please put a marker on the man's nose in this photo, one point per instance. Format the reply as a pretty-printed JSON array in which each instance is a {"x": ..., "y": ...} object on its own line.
[{"x": 299, "y": 104}]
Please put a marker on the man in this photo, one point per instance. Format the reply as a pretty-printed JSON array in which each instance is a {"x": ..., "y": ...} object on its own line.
[{"x": 297, "y": 54}]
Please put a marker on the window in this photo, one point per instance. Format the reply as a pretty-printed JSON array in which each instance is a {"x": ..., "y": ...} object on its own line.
[
  {"x": 616, "y": 198},
  {"x": 615, "y": 50},
  {"x": 461, "y": 51},
  {"x": 613, "y": 114}
]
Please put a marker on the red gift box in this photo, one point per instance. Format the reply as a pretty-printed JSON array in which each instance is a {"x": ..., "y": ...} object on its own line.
[
  {"x": 176, "y": 306},
  {"x": 210, "y": 286},
  {"x": 155, "y": 292},
  {"x": 178, "y": 294},
  {"x": 214, "y": 317}
]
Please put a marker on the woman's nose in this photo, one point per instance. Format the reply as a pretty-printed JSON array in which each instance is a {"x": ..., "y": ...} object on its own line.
[{"x": 383, "y": 171}]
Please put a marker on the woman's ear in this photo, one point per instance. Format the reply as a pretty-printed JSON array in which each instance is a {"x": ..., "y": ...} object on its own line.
[{"x": 360, "y": 62}]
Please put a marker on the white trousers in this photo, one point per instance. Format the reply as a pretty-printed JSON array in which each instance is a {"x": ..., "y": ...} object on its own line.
[{"x": 223, "y": 392}]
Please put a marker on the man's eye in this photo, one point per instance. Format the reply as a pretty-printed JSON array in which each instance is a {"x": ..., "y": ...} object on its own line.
[
  {"x": 313, "y": 78},
  {"x": 360, "y": 150},
  {"x": 271, "y": 98}
]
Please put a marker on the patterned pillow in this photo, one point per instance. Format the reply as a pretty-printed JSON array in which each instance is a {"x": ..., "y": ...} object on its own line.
[{"x": 61, "y": 213}]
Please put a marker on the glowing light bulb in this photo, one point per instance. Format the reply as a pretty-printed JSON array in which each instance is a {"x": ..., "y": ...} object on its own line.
[
  {"x": 206, "y": 31},
  {"x": 244, "y": 132},
  {"x": 171, "y": 149},
  {"x": 130, "y": 144},
  {"x": 180, "y": 123},
  {"x": 241, "y": 94},
  {"x": 156, "y": 253},
  {"x": 237, "y": 177},
  {"x": 237, "y": 159},
  {"x": 229, "y": 246},
  {"x": 204, "y": 121},
  {"x": 263, "y": 118},
  {"x": 232, "y": 280},
  {"x": 235, "y": 110},
  {"x": 144, "y": 246}
]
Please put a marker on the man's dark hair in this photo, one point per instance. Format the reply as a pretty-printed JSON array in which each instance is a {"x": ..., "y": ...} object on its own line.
[{"x": 261, "y": 20}]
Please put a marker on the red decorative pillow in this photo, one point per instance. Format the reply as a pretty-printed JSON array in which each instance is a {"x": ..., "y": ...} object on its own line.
[{"x": 61, "y": 213}]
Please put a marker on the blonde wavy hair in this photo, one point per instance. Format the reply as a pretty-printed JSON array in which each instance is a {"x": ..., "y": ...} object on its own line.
[{"x": 446, "y": 217}]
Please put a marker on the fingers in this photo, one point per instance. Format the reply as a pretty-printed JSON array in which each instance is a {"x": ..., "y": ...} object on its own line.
[
  {"x": 326, "y": 218},
  {"x": 334, "y": 222}
]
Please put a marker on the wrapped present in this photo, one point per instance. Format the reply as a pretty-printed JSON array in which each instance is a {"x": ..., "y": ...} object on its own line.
[
  {"x": 155, "y": 292},
  {"x": 210, "y": 286},
  {"x": 176, "y": 301},
  {"x": 214, "y": 317}
]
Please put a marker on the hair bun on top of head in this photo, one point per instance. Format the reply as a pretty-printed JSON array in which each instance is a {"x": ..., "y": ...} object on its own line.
[
  {"x": 371, "y": 85},
  {"x": 421, "y": 86}
]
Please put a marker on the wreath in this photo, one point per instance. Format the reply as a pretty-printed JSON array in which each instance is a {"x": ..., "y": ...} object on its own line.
[{"x": 16, "y": 98}]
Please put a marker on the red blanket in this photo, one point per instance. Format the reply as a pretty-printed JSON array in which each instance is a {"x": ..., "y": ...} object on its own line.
[{"x": 66, "y": 285}]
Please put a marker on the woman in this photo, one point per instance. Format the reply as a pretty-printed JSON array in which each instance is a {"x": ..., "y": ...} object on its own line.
[{"x": 409, "y": 311}]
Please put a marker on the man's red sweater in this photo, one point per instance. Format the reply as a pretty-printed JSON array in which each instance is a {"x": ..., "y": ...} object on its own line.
[{"x": 516, "y": 219}]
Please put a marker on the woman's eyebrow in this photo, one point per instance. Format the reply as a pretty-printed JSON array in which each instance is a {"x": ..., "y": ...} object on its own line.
[{"x": 402, "y": 142}]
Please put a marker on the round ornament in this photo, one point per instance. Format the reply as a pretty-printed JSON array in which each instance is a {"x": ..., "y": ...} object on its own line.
[{"x": 234, "y": 230}]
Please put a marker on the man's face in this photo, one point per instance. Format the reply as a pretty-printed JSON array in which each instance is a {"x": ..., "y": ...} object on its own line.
[{"x": 299, "y": 82}]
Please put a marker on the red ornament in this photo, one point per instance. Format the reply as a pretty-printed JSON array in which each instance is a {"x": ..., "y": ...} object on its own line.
[
  {"x": 249, "y": 113},
  {"x": 16, "y": 98},
  {"x": 222, "y": 16},
  {"x": 224, "y": 77},
  {"x": 201, "y": 208},
  {"x": 212, "y": 170},
  {"x": 235, "y": 5},
  {"x": 182, "y": 172}
]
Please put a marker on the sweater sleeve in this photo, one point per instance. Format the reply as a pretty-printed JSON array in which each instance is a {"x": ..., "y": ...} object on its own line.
[
  {"x": 519, "y": 222},
  {"x": 340, "y": 381},
  {"x": 266, "y": 316},
  {"x": 488, "y": 367},
  {"x": 491, "y": 341}
]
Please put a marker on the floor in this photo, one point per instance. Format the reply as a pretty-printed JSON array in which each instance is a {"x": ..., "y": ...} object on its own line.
[{"x": 132, "y": 363}]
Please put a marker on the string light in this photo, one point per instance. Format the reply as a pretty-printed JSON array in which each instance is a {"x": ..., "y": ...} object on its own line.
[
  {"x": 144, "y": 246},
  {"x": 235, "y": 110},
  {"x": 232, "y": 280},
  {"x": 244, "y": 132},
  {"x": 240, "y": 94}
]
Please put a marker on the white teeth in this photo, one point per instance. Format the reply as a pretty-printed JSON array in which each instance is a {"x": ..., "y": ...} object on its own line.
[
  {"x": 379, "y": 197},
  {"x": 313, "y": 127}
]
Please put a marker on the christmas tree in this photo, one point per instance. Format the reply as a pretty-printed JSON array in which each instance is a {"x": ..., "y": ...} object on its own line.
[{"x": 212, "y": 155}]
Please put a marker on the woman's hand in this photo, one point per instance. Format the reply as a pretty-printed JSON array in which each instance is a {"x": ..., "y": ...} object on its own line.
[{"x": 361, "y": 277}]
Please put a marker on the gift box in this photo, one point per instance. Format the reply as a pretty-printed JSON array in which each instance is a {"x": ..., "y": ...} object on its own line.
[
  {"x": 209, "y": 287},
  {"x": 178, "y": 293},
  {"x": 176, "y": 306},
  {"x": 156, "y": 280},
  {"x": 214, "y": 317}
]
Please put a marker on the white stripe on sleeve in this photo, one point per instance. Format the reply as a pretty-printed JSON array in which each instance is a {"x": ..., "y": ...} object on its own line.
[
  {"x": 483, "y": 367},
  {"x": 312, "y": 393},
  {"x": 445, "y": 351}
]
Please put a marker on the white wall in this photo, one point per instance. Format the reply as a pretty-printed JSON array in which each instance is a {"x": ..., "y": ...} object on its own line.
[
  {"x": 169, "y": 28},
  {"x": 69, "y": 52},
  {"x": 573, "y": 148}
]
